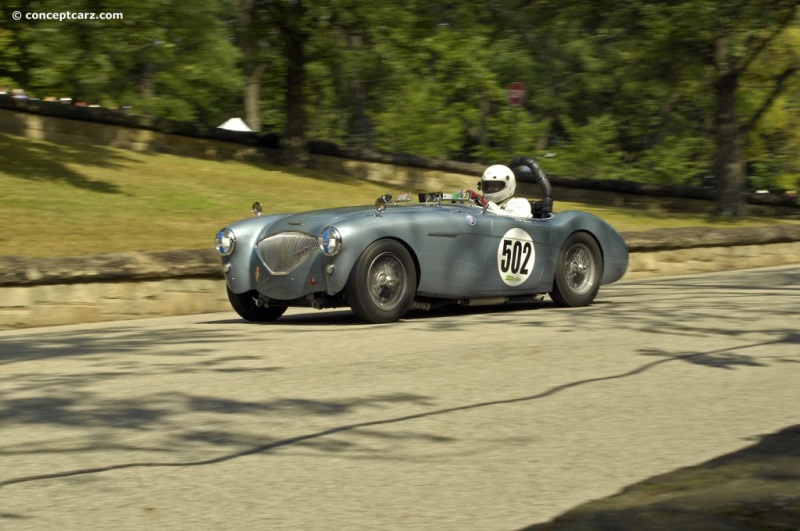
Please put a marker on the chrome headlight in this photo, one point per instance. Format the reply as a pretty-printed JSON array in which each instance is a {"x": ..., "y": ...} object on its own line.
[
  {"x": 330, "y": 242},
  {"x": 225, "y": 242}
]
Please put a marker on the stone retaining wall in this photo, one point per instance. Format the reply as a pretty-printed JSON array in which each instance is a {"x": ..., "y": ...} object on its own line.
[{"x": 139, "y": 285}]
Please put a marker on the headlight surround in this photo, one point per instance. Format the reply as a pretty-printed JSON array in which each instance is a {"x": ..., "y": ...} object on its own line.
[
  {"x": 225, "y": 242},
  {"x": 330, "y": 241}
]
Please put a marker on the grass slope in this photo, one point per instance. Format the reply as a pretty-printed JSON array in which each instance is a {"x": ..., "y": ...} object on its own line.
[
  {"x": 74, "y": 199},
  {"x": 63, "y": 199}
]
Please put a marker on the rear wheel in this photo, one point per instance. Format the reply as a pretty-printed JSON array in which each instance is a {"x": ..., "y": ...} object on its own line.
[
  {"x": 382, "y": 283},
  {"x": 578, "y": 271},
  {"x": 245, "y": 305}
]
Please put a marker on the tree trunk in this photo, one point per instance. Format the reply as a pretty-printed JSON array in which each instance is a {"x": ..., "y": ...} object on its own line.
[
  {"x": 729, "y": 167},
  {"x": 359, "y": 128},
  {"x": 544, "y": 139},
  {"x": 252, "y": 97},
  {"x": 483, "y": 128},
  {"x": 144, "y": 85},
  {"x": 730, "y": 170},
  {"x": 246, "y": 41},
  {"x": 294, "y": 145}
]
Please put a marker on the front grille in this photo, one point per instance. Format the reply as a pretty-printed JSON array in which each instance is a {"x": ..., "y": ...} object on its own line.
[{"x": 283, "y": 252}]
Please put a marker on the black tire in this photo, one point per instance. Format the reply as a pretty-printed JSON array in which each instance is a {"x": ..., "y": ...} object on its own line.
[
  {"x": 578, "y": 271},
  {"x": 382, "y": 283},
  {"x": 245, "y": 305}
]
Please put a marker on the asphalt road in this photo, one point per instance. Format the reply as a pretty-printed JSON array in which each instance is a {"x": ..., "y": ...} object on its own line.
[{"x": 452, "y": 420}]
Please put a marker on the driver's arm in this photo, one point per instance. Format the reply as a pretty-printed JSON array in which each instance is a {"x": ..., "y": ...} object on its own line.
[{"x": 495, "y": 209}]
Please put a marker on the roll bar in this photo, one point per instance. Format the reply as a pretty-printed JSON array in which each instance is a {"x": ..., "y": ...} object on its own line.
[{"x": 539, "y": 177}]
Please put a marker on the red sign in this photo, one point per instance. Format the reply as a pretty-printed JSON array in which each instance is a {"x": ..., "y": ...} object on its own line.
[{"x": 517, "y": 93}]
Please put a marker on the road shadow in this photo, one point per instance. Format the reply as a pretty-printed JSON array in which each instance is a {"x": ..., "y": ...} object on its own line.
[
  {"x": 345, "y": 317},
  {"x": 124, "y": 339},
  {"x": 357, "y": 426},
  {"x": 754, "y": 488},
  {"x": 67, "y": 401}
]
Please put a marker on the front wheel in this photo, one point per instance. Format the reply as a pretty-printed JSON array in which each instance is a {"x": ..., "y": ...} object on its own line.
[
  {"x": 578, "y": 271},
  {"x": 245, "y": 305},
  {"x": 382, "y": 283}
]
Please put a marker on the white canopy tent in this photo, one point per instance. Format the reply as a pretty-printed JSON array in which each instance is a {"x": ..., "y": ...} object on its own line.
[{"x": 235, "y": 124}]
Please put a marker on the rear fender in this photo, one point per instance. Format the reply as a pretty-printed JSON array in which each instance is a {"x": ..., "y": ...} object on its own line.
[{"x": 612, "y": 245}]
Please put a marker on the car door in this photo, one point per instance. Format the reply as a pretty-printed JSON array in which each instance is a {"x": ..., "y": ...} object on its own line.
[
  {"x": 451, "y": 244},
  {"x": 516, "y": 255}
]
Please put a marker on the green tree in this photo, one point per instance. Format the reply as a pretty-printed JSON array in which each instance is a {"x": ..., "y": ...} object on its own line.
[
  {"x": 653, "y": 91},
  {"x": 15, "y": 59},
  {"x": 722, "y": 41},
  {"x": 286, "y": 26},
  {"x": 774, "y": 142},
  {"x": 435, "y": 97},
  {"x": 164, "y": 57},
  {"x": 411, "y": 77},
  {"x": 257, "y": 54}
]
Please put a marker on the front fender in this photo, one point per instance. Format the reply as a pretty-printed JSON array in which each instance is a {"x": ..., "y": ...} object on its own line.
[
  {"x": 355, "y": 242},
  {"x": 447, "y": 244}
]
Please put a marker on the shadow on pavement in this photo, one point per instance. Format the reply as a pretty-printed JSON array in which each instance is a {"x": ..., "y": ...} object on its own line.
[{"x": 757, "y": 487}]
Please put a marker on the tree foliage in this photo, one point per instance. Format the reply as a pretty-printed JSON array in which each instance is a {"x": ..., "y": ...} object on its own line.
[
  {"x": 165, "y": 57},
  {"x": 672, "y": 92}
]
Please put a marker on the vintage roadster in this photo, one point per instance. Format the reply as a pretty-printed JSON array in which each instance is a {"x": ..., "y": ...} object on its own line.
[{"x": 403, "y": 254}]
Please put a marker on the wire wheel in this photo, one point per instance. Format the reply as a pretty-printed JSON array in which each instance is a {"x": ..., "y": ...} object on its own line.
[
  {"x": 382, "y": 283},
  {"x": 580, "y": 266},
  {"x": 386, "y": 281},
  {"x": 578, "y": 271}
]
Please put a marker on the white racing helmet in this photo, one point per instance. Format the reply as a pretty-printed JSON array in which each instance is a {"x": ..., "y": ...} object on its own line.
[{"x": 498, "y": 183}]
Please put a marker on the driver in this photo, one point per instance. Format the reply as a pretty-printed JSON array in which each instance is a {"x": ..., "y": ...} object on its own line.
[{"x": 498, "y": 185}]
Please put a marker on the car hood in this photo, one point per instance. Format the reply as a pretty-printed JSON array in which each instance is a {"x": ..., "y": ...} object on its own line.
[{"x": 314, "y": 221}]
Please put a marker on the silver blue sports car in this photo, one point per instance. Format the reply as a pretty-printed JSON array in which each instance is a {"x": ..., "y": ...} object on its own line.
[{"x": 417, "y": 253}]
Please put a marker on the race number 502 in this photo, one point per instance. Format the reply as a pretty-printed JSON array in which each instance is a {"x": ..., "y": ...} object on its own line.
[{"x": 515, "y": 257}]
